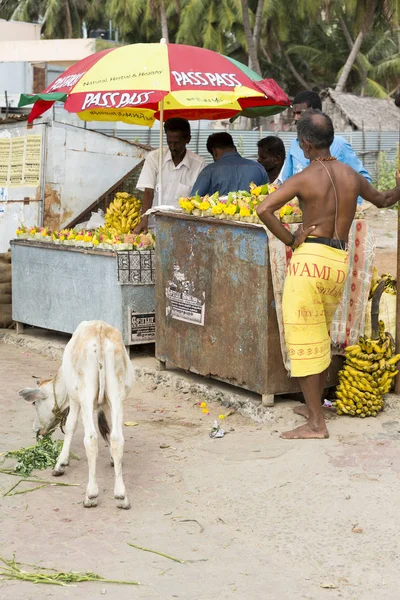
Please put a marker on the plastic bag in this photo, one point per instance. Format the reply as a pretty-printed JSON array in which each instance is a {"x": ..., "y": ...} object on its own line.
[{"x": 96, "y": 220}]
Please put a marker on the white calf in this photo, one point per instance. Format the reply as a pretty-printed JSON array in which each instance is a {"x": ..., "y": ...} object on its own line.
[{"x": 95, "y": 374}]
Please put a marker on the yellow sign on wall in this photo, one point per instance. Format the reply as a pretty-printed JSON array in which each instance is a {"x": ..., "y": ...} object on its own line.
[
  {"x": 33, "y": 154},
  {"x": 20, "y": 161},
  {"x": 5, "y": 147}
]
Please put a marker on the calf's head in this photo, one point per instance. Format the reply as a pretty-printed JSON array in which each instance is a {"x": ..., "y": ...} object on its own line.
[{"x": 42, "y": 397}]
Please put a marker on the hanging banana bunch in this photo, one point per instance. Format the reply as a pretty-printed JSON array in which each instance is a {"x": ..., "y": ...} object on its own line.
[
  {"x": 390, "y": 283},
  {"x": 367, "y": 375}
]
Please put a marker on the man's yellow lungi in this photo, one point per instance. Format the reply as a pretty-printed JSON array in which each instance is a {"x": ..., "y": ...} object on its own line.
[{"x": 313, "y": 289}]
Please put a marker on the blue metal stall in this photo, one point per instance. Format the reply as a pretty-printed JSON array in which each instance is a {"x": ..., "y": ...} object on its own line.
[{"x": 56, "y": 287}]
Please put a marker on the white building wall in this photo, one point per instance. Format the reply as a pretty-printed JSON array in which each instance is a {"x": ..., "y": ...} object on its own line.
[
  {"x": 18, "y": 30},
  {"x": 16, "y": 78},
  {"x": 78, "y": 166}
]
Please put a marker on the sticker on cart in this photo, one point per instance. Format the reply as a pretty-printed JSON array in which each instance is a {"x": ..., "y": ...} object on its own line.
[
  {"x": 142, "y": 327},
  {"x": 183, "y": 303}
]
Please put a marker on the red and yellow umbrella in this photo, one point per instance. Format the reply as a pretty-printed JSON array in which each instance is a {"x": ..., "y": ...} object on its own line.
[{"x": 143, "y": 82}]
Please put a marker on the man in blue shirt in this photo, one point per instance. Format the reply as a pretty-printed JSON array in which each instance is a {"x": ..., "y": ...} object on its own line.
[
  {"x": 340, "y": 149},
  {"x": 230, "y": 172}
]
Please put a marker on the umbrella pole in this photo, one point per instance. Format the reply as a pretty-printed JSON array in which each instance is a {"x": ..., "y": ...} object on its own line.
[
  {"x": 161, "y": 154},
  {"x": 397, "y": 382}
]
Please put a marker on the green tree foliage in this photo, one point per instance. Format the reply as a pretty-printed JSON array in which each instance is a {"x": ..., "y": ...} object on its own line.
[
  {"x": 352, "y": 44},
  {"x": 58, "y": 18},
  {"x": 385, "y": 173}
]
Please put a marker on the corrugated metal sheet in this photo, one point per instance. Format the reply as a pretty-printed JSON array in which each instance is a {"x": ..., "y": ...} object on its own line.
[{"x": 365, "y": 145}]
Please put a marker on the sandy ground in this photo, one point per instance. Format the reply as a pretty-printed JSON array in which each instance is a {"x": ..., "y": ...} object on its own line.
[
  {"x": 384, "y": 224},
  {"x": 254, "y": 516},
  {"x": 257, "y": 517}
]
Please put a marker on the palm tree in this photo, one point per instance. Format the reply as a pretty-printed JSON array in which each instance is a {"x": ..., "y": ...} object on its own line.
[
  {"x": 252, "y": 37},
  {"x": 58, "y": 18},
  {"x": 324, "y": 51},
  {"x": 282, "y": 24},
  {"x": 366, "y": 13},
  {"x": 145, "y": 20},
  {"x": 7, "y": 7},
  {"x": 214, "y": 25}
]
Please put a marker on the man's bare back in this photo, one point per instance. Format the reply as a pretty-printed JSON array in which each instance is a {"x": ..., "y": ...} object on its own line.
[
  {"x": 316, "y": 194},
  {"x": 318, "y": 201}
]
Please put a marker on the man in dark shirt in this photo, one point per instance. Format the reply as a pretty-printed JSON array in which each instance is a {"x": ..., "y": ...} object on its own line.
[
  {"x": 271, "y": 155},
  {"x": 230, "y": 172}
]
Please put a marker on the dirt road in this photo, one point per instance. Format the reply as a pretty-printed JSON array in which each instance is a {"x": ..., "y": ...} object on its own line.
[
  {"x": 384, "y": 224},
  {"x": 256, "y": 517}
]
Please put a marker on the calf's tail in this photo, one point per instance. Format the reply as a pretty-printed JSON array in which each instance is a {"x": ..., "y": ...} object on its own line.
[{"x": 102, "y": 422}]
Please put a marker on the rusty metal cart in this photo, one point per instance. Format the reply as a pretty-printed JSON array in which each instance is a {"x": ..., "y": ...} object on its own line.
[{"x": 215, "y": 307}]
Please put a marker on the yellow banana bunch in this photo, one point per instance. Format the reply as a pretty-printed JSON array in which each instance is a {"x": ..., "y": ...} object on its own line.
[
  {"x": 390, "y": 283},
  {"x": 367, "y": 375},
  {"x": 123, "y": 214}
]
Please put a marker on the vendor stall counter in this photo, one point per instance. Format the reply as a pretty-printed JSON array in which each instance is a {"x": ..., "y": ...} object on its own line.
[
  {"x": 215, "y": 307},
  {"x": 56, "y": 287}
]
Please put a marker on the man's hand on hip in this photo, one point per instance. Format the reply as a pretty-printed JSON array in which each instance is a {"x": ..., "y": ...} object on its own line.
[{"x": 301, "y": 234}]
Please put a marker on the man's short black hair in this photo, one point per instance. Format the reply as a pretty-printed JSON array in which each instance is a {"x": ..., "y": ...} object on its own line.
[
  {"x": 220, "y": 140},
  {"x": 177, "y": 124},
  {"x": 308, "y": 97},
  {"x": 316, "y": 128},
  {"x": 273, "y": 145}
]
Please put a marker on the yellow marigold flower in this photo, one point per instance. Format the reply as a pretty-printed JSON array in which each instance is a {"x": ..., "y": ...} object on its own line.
[
  {"x": 221, "y": 416},
  {"x": 285, "y": 210},
  {"x": 245, "y": 212},
  {"x": 204, "y": 205},
  {"x": 218, "y": 209},
  {"x": 256, "y": 191},
  {"x": 203, "y": 404},
  {"x": 95, "y": 242},
  {"x": 71, "y": 236},
  {"x": 205, "y": 411},
  {"x": 186, "y": 205},
  {"x": 230, "y": 210},
  {"x": 189, "y": 206}
]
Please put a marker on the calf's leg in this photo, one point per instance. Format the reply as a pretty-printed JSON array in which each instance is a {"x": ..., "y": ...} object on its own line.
[
  {"x": 91, "y": 447},
  {"x": 70, "y": 428},
  {"x": 117, "y": 451}
]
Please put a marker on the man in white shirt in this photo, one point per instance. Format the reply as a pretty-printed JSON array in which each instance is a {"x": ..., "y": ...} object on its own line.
[{"x": 180, "y": 169}]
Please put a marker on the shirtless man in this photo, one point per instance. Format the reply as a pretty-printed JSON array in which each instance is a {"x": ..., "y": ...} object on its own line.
[{"x": 327, "y": 191}]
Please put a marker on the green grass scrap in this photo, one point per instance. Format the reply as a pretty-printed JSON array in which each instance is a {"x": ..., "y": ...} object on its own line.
[{"x": 11, "y": 569}]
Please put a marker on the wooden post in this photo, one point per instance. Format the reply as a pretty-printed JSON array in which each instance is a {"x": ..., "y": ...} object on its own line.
[
  {"x": 363, "y": 140},
  {"x": 397, "y": 382}
]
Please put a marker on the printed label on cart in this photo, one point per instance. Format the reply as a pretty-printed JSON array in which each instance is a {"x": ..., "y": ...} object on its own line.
[
  {"x": 142, "y": 327},
  {"x": 184, "y": 307},
  {"x": 183, "y": 303}
]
